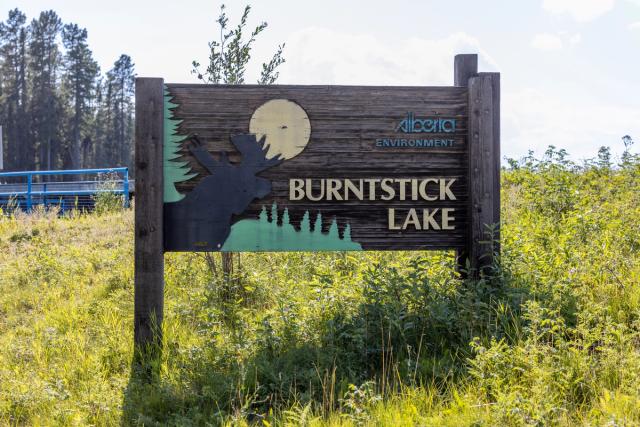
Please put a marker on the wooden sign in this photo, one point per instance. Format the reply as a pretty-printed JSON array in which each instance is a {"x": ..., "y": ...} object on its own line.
[
  {"x": 311, "y": 168},
  {"x": 307, "y": 168}
]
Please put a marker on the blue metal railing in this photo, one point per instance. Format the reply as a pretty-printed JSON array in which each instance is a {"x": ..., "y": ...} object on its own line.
[{"x": 30, "y": 193}]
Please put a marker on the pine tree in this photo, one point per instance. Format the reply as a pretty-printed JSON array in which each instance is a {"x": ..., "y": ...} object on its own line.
[
  {"x": 174, "y": 169},
  {"x": 44, "y": 101},
  {"x": 98, "y": 127},
  {"x": 13, "y": 41},
  {"x": 79, "y": 82},
  {"x": 118, "y": 110},
  {"x": 105, "y": 146},
  {"x": 56, "y": 110},
  {"x": 2, "y": 113}
]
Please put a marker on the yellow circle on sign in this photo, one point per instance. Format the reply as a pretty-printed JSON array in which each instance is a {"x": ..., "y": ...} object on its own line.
[{"x": 286, "y": 126}]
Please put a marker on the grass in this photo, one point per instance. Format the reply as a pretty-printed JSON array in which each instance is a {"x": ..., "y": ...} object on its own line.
[{"x": 550, "y": 337}]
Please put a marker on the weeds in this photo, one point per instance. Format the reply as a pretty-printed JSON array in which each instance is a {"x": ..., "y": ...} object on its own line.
[
  {"x": 106, "y": 199},
  {"x": 549, "y": 334}
]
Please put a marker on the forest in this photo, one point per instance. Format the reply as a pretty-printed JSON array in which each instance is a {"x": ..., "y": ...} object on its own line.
[{"x": 58, "y": 109}]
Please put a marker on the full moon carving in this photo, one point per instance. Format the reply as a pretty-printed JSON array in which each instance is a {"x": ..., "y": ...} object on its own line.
[{"x": 286, "y": 126}]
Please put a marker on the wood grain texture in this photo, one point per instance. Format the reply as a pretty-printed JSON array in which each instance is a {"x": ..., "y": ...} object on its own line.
[
  {"x": 484, "y": 167},
  {"x": 345, "y": 123},
  {"x": 149, "y": 257},
  {"x": 465, "y": 66}
]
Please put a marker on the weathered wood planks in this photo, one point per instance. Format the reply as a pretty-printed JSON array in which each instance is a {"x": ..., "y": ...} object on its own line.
[
  {"x": 149, "y": 252},
  {"x": 345, "y": 122},
  {"x": 484, "y": 168}
]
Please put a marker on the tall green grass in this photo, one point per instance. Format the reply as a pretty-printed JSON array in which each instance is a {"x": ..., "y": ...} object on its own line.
[{"x": 550, "y": 337}]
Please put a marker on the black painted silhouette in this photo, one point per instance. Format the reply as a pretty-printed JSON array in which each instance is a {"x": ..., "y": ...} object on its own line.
[{"x": 202, "y": 219}]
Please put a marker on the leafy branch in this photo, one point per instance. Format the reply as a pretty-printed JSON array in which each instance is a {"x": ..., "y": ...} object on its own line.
[{"x": 229, "y": 56}]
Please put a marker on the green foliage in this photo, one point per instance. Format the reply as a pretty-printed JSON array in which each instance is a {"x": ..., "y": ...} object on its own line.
[
  {"x": 106, "y": 200},
  {"x": 78, "y": 80},
  {"x": 45, "y": 103},
  {"x": 57, "y": 112},
  {"x": 118, "y": 110},
  {"x": 228, "y": 57},
  {"x": 549, "y": 337}
]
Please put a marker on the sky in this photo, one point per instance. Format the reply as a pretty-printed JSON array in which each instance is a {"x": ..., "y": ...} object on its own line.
[{"x": 570, "y": 69}]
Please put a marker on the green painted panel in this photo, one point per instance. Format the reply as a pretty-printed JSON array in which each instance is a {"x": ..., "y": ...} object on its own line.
[
  {"x": 262, "y": 235},
  {"x": 174, "y": 170}
]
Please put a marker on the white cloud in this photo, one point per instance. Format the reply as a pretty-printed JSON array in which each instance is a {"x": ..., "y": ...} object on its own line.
[
  {"x": 550, "y": 42},
  {"x": 580, "y": 10},
  {"x": 532, "y": 119},
  {"x": 575, "y": 38},
  {"x": 634, "y": 26},
  {"x": 546, "y": 41},
  {"x": 323, "y": 56}
]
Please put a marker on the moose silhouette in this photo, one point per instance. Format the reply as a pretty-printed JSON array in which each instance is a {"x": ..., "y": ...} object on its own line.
[{"x": 202, "y": 219}]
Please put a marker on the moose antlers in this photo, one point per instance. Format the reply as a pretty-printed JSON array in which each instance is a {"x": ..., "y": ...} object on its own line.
[
  {"x": 204, "y": 157},
  {"x": 254, "y": 154}
]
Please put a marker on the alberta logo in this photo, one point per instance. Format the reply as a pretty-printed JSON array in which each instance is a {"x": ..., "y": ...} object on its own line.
[{"x": 430, "y": 125}]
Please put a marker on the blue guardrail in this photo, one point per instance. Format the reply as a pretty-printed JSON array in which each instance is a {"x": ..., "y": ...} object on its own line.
[{"x": 24, "y": 190}]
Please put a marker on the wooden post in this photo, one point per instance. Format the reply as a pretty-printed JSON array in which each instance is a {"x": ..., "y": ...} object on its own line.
[
  {"x": 484, "y": 169},
  {"x": 149, "y": 252},
  {"x": 465, "y": 66}
]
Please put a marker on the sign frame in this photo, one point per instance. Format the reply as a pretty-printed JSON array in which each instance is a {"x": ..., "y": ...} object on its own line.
[{"x": 483, "y": 187}]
